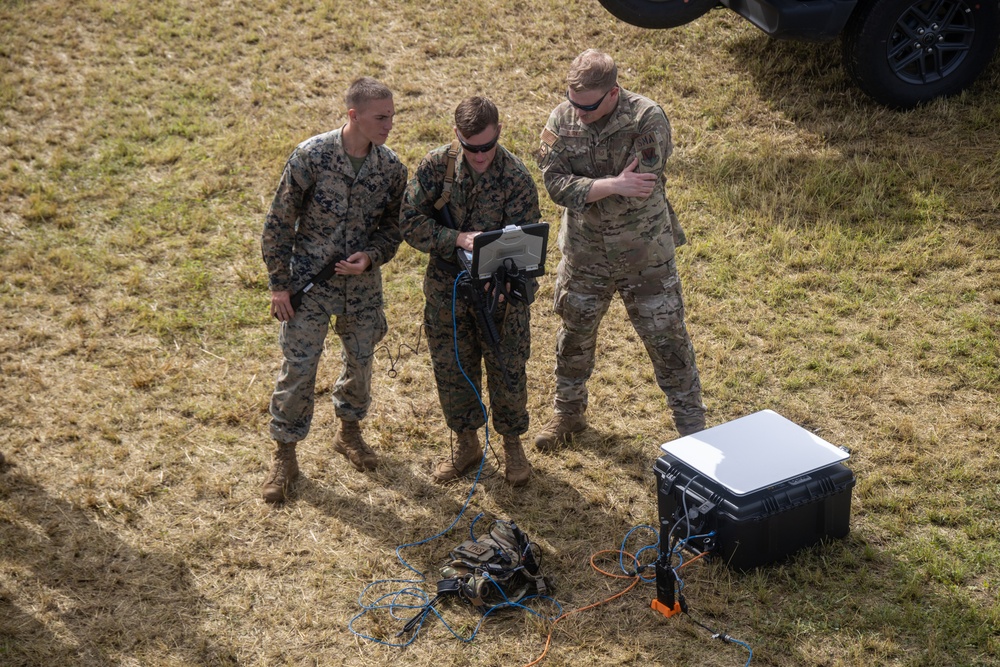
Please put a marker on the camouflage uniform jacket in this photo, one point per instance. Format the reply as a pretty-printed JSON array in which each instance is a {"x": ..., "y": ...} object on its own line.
[
  {"x": 615, "y": 232},
  {"x": 504, "y": 195},
  {"x": 322, "y": 211}
]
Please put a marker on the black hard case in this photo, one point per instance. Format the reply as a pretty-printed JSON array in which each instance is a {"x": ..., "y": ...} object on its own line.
[{"x": 759, "y": 527}]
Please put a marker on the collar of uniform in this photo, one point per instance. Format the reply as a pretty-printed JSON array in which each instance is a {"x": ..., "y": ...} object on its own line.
[
  {"x": 621, "y": 115},
  {"x": 344, "y": 162}
]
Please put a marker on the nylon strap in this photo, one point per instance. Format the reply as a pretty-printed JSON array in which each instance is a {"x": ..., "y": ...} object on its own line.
[{"x": 449, "y": 176}]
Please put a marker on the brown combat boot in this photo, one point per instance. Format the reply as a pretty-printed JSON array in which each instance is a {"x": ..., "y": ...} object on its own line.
[
  {"x": 349, "y": 442},
  {"x": 688, "y": 427},
  {"x": 559, "y": 431},
  {"x": 284, "y": 471},
  {"x": 466, "y": 454},
  {"x": 517, "y": 470}
]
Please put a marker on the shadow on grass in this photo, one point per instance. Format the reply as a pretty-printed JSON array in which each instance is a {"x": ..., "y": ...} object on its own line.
[
  {"x": 885, "y": 609},
  {"x": 809, "y": 81},
  {"x": 390, "y": 522},
  {"x": 94, "y": 599},
  {"x": 621, "y": 452},
  {"x": 381, "y": 523},
  {"x": 890, "y": 167}
]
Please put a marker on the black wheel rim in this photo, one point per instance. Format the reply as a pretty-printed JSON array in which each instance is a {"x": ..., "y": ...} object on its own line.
[{"x": 931, "y": 39}]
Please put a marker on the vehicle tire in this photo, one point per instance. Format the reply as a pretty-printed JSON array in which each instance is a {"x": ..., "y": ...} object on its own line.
[
  {"x": 658, "y": 13},
  {"x": 904, "y": 52}
]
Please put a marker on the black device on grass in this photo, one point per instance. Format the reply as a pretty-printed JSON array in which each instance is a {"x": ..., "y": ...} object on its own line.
[{"x": 751, "y": 492}]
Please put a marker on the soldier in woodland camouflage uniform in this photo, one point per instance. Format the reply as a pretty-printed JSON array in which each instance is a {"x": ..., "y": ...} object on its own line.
[
  {"x": 492, "y": 189},
  {"x": 338, "y": 197},
  {"x": 602, "y": 157}
]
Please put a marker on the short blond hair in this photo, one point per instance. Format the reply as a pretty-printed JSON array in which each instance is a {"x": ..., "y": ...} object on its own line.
[
  {"x": 592, "y": 70},
  {"x": 365, "y": 90}
]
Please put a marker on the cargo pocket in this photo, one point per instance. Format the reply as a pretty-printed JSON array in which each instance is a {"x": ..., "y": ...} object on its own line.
[
  {"x": 575, "y": 307},
  {"x": 658, "y": 316}
]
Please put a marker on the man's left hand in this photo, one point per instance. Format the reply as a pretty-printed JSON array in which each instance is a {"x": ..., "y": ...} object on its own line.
[{"x": 354, "y": 265}]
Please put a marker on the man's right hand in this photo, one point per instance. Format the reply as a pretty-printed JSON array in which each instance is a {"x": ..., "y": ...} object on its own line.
[
  {"x": 631, "y": 183},
  {"x": 465, "y": 239},
  {"x": 281, "y": 305}
]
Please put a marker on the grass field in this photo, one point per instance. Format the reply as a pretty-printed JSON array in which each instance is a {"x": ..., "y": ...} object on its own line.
[{"x": 843, "y": 269}]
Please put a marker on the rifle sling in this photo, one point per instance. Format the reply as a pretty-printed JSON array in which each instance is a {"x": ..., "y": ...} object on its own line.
[
  {"x": 324, "y": 274},
  {"x": 449, "y": 176}
]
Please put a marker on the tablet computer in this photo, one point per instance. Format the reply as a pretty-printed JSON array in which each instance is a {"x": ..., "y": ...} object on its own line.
[{"x": 525, "y": 246}]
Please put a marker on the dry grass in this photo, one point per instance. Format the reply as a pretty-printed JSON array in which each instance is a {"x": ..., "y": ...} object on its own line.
[{"x": 843, "y": 270}]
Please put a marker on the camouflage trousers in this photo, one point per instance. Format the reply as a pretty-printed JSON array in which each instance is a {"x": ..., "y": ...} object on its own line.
[
  {"x": 461, "y": 337},
  {"x": 301, "y": 340},
  {"x": 656, "y": 309}
]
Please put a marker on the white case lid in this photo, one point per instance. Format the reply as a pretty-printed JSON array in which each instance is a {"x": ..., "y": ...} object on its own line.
[{"x": 754, "y": 452}]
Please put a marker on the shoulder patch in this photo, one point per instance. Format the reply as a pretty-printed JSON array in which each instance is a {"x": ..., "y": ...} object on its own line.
[
  {"x": 645, "y": 141},
  {"x": 647, "y": 147},
  {"x": 549, "y": 137}
]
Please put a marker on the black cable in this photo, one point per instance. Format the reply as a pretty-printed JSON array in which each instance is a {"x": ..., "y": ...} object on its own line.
[{"x": 392, "y": 372}]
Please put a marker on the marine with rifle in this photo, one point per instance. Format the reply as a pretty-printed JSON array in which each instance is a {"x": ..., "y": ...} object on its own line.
[{"x": 333, "y": 222}]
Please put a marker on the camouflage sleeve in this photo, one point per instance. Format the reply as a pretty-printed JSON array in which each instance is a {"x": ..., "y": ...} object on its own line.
[
  {"x": 653, "y": 143},
  {"x": 416, "y": 215},
  {"x": 564, "y": 187},
  {"x": 522, "y": 207},
  {"x": 278, "y": 238},
  {"x": 386, "y": 239}
]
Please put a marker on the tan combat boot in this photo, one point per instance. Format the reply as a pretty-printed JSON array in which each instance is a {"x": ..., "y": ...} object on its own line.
[
  {"x": 687, "y": 427},
  {"x": 284, "y": 471},
  {"x": 467, "y": 453},
  {"x": 349, "y": 442},
  {"x": 517, "y": 470},
  {"x": 559, "y": 431}
]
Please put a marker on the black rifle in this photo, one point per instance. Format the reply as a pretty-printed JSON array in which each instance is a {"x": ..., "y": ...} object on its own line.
[
  {"x": 324, "y": 274},
  {"x": 474, "y": 294}
]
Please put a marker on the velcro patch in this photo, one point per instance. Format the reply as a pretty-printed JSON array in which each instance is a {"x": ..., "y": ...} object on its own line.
[
  {"x": 647, "y": 140},
  {"x": 647, "y": 147},
  {"x": 549, "y": 137}
]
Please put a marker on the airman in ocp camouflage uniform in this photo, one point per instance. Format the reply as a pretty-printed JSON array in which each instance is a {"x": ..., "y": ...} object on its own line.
[
  {"x": 602, "y": 156},
  {"x": 338, "y": 199},
  {"x": 492, "y": 189}
]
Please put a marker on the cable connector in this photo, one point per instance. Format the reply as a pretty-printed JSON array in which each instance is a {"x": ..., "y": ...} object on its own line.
[
  {"x": 640, "y": 569},
  {"x": 722, "y": 636}
]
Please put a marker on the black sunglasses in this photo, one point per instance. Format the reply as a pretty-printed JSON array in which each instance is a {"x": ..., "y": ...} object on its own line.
[
  {"x": 481, "y": 148},
  {"x": 589, "y": 107}
]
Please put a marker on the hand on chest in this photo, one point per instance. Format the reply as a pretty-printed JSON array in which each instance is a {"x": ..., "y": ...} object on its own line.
[{"x": 594, "y": 157}]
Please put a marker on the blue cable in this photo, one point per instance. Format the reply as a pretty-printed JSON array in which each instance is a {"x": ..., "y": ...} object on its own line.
[
  {"x": 415, "y": 592},
  {"x": 638, "y": 563},
  {"x": 677, "y": 550},
  {"x": 746, "y": 646},
  {"x": 472, "y": 526}
]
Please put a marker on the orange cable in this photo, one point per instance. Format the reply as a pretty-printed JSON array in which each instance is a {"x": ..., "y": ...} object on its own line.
[
  {"x": 685, "y": 564},
  {"x": 635, "y": 580}
]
